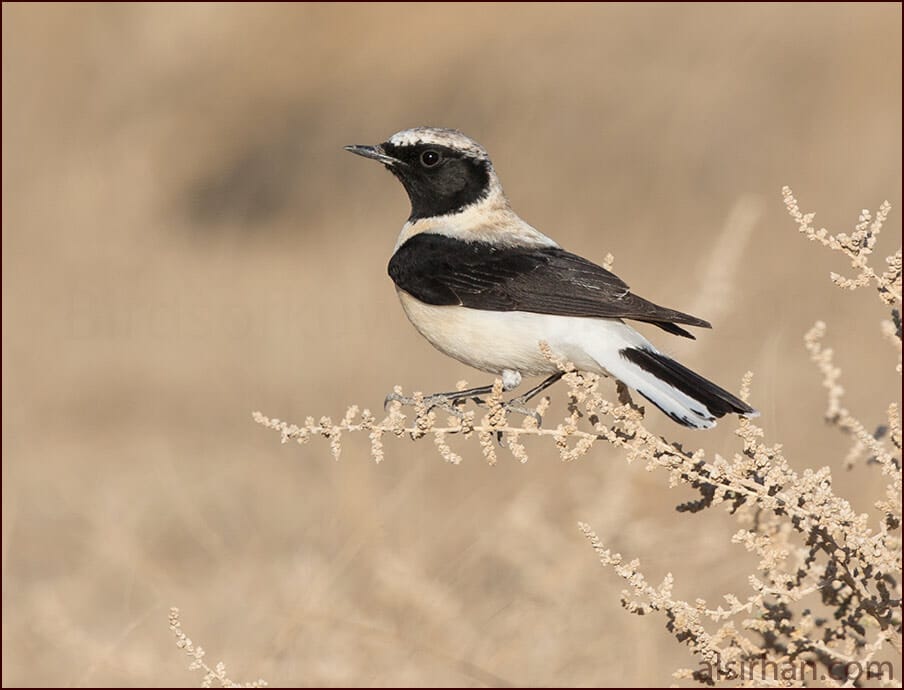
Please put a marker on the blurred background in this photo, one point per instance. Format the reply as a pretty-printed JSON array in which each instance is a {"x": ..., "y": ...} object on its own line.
[{"x": 185, "y": 241}]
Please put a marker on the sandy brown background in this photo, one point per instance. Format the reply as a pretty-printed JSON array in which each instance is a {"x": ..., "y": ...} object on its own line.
[{"x": 184, "y": 241}]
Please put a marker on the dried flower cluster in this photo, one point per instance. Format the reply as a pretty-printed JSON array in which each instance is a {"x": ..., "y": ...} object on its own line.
[
  {"x": 826, "y": 598},
  {"x": 858, "y": 246},
  {"x": 827, "y": 595},
  {"x": 216, "y": 675},
  {"x": 495, "y": 428}
]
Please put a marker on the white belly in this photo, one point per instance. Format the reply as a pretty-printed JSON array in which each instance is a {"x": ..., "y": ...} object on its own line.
[{"x": 494, "y": 341}]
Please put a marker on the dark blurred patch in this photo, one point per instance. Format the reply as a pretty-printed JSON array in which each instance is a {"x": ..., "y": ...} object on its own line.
[{"x": 250, "y": 187}]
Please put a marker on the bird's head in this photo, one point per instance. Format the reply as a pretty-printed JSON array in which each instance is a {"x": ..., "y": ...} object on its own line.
[{"x": 442, "y": 170}]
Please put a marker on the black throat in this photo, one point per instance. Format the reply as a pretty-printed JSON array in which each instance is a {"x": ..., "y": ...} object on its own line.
[{"x": 456, "y": 183}]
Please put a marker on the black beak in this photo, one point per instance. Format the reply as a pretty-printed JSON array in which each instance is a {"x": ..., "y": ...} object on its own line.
[{"x": 375, "y": 152}]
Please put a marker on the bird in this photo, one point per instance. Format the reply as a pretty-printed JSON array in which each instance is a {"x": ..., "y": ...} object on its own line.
[{"x": 486, "y": 288}]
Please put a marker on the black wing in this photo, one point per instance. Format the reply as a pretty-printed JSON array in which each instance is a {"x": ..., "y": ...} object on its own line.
[{"x": 442, "y": 270}]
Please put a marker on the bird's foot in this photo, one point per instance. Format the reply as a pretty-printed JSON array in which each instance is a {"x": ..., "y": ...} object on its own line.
[
  {"x": 452, "y": 403},
  {"x": 445, "y": 401},
  {"x": 517, "y": 406}
]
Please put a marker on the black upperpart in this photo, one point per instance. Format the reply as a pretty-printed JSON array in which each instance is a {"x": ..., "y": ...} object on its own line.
[
  {"x": 439, "y": 180},
  {"x": 442, "y": 270}
]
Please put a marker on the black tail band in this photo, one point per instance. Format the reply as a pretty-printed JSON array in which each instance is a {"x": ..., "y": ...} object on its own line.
[{"x": 717, "y": 400}]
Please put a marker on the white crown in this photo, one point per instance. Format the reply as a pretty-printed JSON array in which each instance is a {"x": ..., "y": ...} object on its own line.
[{"x": 439, "y": 136}]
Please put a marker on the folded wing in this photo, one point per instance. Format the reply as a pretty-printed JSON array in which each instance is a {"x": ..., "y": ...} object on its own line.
[{"x": 441, "y": 270}]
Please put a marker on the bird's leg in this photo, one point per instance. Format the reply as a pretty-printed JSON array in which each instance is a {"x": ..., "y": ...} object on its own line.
[
  {"x": 519, "y": 404},
  {"x": 448, "y": 401},
  {"x": 539, "y": 388},
  {"x": 445, "y": 400}
]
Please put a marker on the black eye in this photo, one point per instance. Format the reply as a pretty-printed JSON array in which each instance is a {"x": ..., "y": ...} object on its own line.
[{"x": 429, "y": 158}]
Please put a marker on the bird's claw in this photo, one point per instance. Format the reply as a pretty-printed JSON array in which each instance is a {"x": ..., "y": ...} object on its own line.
[
  {"x": 396, "y": 397},
  {"x": 445, "y": 402},
  {"x": 449, "y": 404},
  {"x": 519, "y": 406}
]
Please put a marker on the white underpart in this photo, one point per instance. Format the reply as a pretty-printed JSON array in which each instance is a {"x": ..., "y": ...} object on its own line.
[{"x": 497, "y": 342}]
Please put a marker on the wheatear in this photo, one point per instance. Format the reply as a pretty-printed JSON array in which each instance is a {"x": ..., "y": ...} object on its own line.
[{"x": 486, "y": 288}]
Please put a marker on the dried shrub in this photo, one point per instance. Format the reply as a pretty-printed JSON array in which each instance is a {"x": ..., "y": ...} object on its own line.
[
  {"x": 212, "y": 676},
  {"x": 826, "y": 595}
]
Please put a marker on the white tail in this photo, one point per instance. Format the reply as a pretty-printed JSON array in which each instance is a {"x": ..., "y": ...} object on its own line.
[{"x": 682, "y": 394}]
